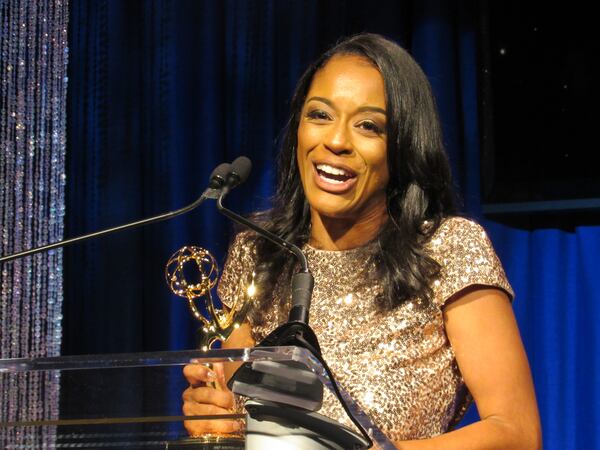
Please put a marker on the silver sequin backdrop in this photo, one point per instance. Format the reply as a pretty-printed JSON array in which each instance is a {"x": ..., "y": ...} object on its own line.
[{"x": 33, "y": 77}]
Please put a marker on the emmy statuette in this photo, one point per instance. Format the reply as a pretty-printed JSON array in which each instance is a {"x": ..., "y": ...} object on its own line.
[{"x": 216, "y": 323}]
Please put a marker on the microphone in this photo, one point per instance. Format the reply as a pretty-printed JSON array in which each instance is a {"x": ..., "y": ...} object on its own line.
[
  {"x": 238, "y": 173},
  {"x": 218, "y": 176},
  {"x": 296, "y": 331},
  {"x": 303, "y": 284},
  {"x": 217, "y": 181},
  {"x": 272, "y": 381}
]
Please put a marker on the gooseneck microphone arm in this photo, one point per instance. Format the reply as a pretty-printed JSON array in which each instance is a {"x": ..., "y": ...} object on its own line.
[
  {"x": 264, "y": 233},
  {"x": 296, "y": 330},
  {"x": 303, "y": 281},
  {"x": 217, "y": 180}
]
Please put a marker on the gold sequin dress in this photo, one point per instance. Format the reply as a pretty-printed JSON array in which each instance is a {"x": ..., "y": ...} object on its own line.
[{"x": 399, "y": 365}]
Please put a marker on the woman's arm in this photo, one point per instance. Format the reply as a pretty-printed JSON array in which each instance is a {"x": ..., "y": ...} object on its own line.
[
  {"x": 240, "y": 338},
  {"x": 483, "y": 332}
]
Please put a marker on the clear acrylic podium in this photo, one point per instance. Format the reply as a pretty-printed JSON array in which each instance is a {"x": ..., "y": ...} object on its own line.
[{"x": 129, "y": 400}]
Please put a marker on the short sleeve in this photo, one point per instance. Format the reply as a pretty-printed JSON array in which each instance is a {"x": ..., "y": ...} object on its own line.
[
  {"x": 467, "y": 258},
  {"x": 237, "y": 270},
  {"x": 238, "y": 273}
]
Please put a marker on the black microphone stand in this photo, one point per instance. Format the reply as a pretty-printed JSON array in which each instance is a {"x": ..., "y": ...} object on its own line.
[
  {"x": 295, "y": 332},
  {"x": 213, "y": 191}
]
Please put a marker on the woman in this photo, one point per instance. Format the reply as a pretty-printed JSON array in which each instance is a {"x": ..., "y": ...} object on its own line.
[{"x": 411, "y": 305}]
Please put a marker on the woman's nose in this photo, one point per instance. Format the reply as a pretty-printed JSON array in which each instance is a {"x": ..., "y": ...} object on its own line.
[{"x": 338, "y": 139}]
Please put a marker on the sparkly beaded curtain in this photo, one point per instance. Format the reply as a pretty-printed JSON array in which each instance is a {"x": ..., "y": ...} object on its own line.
[{"x": 33, "y": 42}]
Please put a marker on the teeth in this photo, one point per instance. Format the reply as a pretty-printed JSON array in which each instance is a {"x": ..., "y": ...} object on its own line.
[
  {"x": 332, "y": 170},
  {"x": 332, "y": 181}
]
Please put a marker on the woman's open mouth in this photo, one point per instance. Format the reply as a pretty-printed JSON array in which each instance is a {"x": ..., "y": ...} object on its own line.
[{"x": 333, "y": 178}]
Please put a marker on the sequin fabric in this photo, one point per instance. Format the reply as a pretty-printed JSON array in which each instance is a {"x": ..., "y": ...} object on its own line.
[{"x": 399, "y": 365}]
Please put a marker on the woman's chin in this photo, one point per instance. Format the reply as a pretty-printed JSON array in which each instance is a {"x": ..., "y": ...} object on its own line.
[{"x": 333, "y": 210}]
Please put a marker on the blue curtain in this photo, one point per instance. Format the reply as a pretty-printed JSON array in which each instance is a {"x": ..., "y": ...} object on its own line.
[{"x": 163, "y": 91}]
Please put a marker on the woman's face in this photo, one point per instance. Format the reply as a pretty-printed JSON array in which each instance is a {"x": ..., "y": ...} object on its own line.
[{"x": 342, "y": 142}]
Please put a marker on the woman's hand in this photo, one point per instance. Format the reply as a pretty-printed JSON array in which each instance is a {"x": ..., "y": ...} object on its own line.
[{"x": 202, "y": 399}]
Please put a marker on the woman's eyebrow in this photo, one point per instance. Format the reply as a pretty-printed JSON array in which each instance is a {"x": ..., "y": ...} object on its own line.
[
  {"x": 321, "y": 99},
  {"x": 372, "y": 109},
  {"x": 361, "y": 109}
]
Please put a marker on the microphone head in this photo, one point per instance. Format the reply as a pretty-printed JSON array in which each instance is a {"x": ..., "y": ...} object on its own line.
[
  {"x": 240, "y": 169},
  {"x": 219, "y": 175}
]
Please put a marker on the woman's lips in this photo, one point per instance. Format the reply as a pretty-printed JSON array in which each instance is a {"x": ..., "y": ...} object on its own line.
[{"x": 327, "y": 178}]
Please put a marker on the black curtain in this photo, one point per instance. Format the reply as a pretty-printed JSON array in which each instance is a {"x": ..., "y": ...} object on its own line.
[{"x": 162, "y": 91}]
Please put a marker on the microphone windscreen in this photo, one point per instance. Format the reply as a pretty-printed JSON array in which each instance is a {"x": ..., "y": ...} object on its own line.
[
  {"x": 219, "y": 175},
  {"x": 241, "y": 166}
]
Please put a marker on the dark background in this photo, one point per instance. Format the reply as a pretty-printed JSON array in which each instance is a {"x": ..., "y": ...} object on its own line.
[
  {"x": 539, "y": 92},
  {"x": 160, "y": 92}
]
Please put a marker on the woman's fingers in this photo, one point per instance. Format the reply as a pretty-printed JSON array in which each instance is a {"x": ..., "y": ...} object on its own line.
[
  {"x": 199, "y": 426},
  {"x": 197, "y": 374},
  {"x": 201, "y": 400},
  {"x": 219, "y": 371},
  {"x": 191, "y": 408},
  {"x": 206, "y": 401},
  {"x": 209, "y": 396}
]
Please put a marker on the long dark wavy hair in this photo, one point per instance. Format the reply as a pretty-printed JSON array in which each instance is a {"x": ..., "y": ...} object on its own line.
[{"x": 420, "y": 185}]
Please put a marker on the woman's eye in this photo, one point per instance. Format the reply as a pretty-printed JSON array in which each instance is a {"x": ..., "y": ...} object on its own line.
[
  {"x": 372, "y": 127},
  {"x": 317, "y": 114}
]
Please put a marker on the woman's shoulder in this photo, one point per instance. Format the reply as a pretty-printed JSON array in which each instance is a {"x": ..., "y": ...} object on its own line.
[
  {"x": 240, "y": 261},
  {"x": 457, "y": 237},
  {"x": 459, "y": 226},
  {"x": 242, "y": 247},
  {"x": 466, "y": 257}
]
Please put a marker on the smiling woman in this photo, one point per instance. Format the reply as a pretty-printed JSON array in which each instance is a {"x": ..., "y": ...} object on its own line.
[
  {"x": 411, "y": 304},
  {"x": 342, "y": 149}
]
